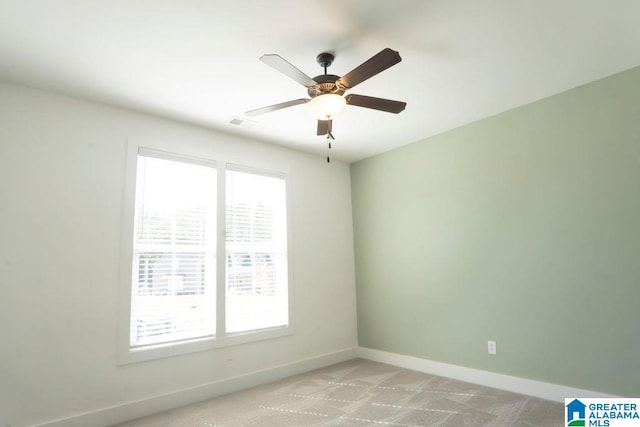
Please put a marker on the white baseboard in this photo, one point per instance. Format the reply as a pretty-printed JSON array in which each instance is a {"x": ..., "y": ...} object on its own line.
[
  {"x": 539, "y": 389},
  {"x": 152, "y": 405},
  {"x": 132, "y": 410}
]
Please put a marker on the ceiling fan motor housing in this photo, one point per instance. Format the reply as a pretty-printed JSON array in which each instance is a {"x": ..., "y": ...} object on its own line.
[{"x": 326, "y": 83}]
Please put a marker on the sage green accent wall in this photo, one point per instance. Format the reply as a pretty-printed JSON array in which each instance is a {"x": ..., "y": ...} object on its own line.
[{"x": 523, "y": 228}]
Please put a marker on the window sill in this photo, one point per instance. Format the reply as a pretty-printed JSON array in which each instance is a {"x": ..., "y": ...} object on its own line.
[{"x": 128, "y": 355}]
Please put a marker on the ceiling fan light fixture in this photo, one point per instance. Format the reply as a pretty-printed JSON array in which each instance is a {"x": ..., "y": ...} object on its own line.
[{"x": 327, "y": 105}]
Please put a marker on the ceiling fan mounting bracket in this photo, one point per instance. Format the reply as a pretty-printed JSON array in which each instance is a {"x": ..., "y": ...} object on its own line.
[{"x": 325, "y": 59}]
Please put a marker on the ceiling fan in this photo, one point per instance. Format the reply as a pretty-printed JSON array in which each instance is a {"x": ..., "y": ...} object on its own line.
[{"x": 326, "y": 90}]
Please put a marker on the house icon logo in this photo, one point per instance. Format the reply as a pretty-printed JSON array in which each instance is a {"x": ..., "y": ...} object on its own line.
[{"x": 576, "y": 413}]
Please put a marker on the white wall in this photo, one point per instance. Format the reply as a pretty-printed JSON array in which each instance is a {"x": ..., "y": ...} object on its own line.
[{"x": 62, "y": 166}]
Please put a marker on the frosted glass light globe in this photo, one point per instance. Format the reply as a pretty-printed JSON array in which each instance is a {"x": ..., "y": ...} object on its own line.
[{"x": 327, "y": 106}]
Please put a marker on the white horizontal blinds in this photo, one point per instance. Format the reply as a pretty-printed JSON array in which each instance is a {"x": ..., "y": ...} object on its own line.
[
  {"x": 256, "y": 249},
  {"x": 173, "y": 283}
]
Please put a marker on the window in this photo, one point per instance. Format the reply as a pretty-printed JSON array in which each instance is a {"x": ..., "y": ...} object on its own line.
[
  {"x": 208, "y": 261},
  {"x": 174, "y": 246},
  {"x": 256, "y": 249}
]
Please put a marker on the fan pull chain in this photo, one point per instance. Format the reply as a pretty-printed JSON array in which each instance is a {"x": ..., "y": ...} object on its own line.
[{"x": 328, "y": 148}]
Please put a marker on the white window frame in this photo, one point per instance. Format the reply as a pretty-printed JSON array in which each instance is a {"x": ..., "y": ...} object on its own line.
[{"x": 127, "y": 353}]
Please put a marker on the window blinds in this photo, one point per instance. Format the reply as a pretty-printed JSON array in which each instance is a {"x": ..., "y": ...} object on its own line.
[
  {"x": 256, "y": 250},
  {"x": 174, "y": 279}
]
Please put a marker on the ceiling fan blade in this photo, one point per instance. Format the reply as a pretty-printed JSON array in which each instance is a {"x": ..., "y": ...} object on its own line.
[
  {"x": 276, "y": 107},
  {"x": 324, "y": 127},
  {"x": 388, "y": 105},
  {"x": 280, "y": 64},
  {"x": 374, "y": 65}
]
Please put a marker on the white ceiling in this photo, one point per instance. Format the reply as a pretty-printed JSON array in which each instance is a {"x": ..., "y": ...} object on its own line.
[{"x": 197, "y": 60}]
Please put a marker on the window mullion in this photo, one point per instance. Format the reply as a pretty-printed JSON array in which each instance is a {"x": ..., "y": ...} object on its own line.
[{"x": 221, "y": 251}]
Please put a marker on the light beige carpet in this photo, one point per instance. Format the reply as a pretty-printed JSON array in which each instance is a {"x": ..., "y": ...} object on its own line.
[{"x": 364, "y": 393}]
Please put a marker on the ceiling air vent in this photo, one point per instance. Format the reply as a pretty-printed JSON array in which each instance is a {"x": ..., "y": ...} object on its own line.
[{"x": 238, "y": 121}]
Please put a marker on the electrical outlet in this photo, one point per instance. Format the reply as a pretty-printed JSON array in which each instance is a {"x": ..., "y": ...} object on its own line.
[{"x": 491, "y": 347}]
